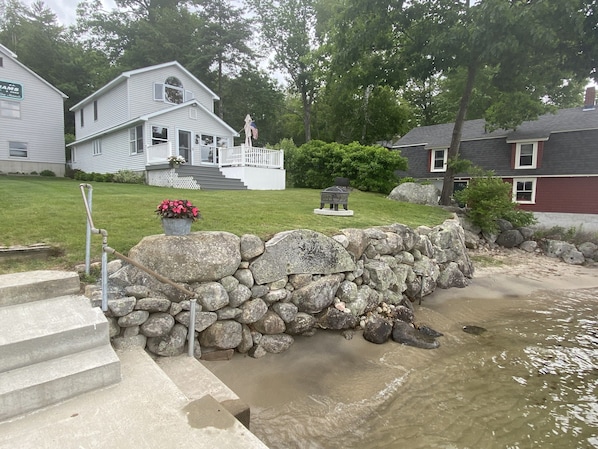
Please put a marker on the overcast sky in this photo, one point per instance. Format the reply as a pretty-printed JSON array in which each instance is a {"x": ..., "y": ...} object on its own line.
[{"x": 66, "y": 10}]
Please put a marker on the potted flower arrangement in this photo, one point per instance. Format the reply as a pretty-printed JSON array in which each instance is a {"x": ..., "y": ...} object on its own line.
[
  {"x": 177, "y": 216},
  {"x": 175, "y": 161}
]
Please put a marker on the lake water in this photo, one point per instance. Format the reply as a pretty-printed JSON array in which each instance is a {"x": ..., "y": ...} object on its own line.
[{"x": 530, "y": 381}]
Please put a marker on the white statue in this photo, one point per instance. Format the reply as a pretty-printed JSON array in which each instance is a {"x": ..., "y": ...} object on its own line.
[{"x": 250, "y": 130}]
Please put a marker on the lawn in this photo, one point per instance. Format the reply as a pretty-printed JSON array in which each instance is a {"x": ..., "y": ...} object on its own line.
[{"x": 51, "y": 211}]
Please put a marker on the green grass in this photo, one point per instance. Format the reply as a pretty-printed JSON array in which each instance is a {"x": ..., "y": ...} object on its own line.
[{"x": 51, "y": 211}]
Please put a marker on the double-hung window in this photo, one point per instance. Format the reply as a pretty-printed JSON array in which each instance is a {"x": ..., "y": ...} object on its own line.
[
  {"x": 136, "y": 140},
  {"x": 526, "y": 155},
  {"x": 97, "y": 147},
  {"x": 438, "y": 160},
  {"x": 524, "y": 190},
  {"x": 10, "y": 109}
]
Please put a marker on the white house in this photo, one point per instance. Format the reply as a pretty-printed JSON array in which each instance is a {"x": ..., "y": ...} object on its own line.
[
  {"x": 144, "y": 116},
  {"x": 31, "y": 120}
]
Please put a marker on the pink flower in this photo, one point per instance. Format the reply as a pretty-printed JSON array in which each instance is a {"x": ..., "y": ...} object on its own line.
[{"x": 177, "y": 209}]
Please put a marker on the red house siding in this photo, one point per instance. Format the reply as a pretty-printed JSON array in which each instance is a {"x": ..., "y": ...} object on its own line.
[{"x": 568, "y": 195}]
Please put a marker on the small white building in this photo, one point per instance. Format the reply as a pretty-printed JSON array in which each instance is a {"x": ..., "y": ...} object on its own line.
[
  {"x": 31, "y": 120},
  {"x": 144, "y": 116}
]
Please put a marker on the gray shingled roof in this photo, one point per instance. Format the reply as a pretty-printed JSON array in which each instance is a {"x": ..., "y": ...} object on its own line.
[{"x": 439, "y": 136}]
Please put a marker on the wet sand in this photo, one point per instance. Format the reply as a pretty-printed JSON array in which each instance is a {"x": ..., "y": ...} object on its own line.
[{"x": 326, "y": 384}]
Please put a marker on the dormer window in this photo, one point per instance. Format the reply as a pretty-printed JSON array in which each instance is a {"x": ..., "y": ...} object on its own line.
[
  {"x": 438, "y": 160},
  {"x": 526, "y": 155}
]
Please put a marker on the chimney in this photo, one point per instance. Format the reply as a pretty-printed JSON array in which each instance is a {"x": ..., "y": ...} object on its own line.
[{"x": 589, "y": 103}]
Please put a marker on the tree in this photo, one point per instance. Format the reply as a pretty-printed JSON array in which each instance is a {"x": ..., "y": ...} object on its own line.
[
  {"x": 227, "y": 33},
  {"x": 529, "y": 48},
  {"x": 288, "y": 30},
  {"x": 253, "y": 92}
]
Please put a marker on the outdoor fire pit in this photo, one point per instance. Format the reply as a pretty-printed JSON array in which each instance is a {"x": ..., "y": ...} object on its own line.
[{"x": 334, "y": 196}]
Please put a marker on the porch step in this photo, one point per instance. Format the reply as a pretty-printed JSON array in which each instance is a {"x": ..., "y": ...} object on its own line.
[
  {"x": 17, "y": 288},
  {"x": 35, "y": 386},
  {"x": 50, "y": 349},
  {"x": 42, "y": 330},
  {"x": 210, "y": 178}
]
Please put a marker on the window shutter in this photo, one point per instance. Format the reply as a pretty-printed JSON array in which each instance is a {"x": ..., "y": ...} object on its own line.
[
  {"x": 513, "y": 154},
  {"x": 158, "y": 91},
  {"x": 540, "y": 154},
  {"x": 189, "y": 95}
]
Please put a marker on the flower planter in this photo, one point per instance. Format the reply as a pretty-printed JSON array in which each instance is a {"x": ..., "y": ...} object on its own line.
[{"x": 177, "y": 226}]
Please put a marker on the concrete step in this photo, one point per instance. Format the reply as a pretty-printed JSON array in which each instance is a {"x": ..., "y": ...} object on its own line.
[
  {"x": 37, "y": 331},
  {"x": 35, "y": 386},
  {"x": 146, "y": 410},
  {"x": 18, "y": 288},
  {"x": 196, "y": 381}
]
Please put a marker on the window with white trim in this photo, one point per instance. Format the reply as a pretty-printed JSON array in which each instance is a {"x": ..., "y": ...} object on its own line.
[
  {"x": 17, "y": 149},
  {"x": 438, "y": 160},
  {"x": 10, "y": 109},
  {"x": 526, "y": 155},
  {"x": 97, "y": 147},
  {"x": 136, "y": 140},
  {"x": 159, "y": 135},
  {"x": 524, "y": 190}
]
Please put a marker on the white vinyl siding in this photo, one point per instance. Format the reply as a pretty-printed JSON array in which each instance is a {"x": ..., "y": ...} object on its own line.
[
  {"x": 41, "y": 123},
  {"x": 112, "y": 109},
  {"x": 115, "y": 155},
  {"x": 10, "y": 109},
  {"x": 146, "y": 90}
]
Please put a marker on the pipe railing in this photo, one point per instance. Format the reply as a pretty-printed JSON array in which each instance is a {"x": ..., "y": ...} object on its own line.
[{"x": 91, "y": 229}]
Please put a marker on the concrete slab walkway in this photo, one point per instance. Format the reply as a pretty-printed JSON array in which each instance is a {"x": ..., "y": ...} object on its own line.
[{"x": 146, "y": 410}]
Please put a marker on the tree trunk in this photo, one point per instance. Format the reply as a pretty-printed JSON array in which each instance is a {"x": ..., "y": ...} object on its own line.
[
  {"x": 306, "y": 115},
  {"x": 453, "y": 152}
]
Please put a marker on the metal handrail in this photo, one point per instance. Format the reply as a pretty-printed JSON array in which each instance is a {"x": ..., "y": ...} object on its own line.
[{"x": 106, "y": 249}]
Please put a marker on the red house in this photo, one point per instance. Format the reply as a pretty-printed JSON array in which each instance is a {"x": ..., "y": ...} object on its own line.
[{"x": 551, "y": 162}]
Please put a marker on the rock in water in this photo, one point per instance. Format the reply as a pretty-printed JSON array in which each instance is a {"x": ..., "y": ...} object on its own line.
[
  {"x": 429, "y": 331},
  {"x": 474, "y": 330},
  {"x": 406, "y": 334}
]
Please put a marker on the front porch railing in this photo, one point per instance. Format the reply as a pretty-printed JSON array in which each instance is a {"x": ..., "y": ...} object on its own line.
[
  {"x": 244, "y": 156},
  {"x": 241, "y": 156},
  {"x": 158, "y": 154}
]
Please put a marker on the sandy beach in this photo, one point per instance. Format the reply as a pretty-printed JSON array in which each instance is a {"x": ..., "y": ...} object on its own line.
[{"x": 519, "y": 273}]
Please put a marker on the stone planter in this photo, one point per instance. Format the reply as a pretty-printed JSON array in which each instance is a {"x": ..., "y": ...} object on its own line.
[{"x": 177, "y": 226}]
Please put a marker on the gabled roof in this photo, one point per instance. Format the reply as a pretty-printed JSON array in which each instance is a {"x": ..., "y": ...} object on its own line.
[
  {"x": 564, "y": 120},
  {"x": 146, "y": 117},
  {"x": 126, "y": 75},
  {"x": 13, "y": 56}
]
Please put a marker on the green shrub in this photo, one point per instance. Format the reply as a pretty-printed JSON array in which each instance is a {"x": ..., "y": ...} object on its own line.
[
  {"x": 47, "y": 173},
  {"x": 316, "y": 164},
  {"x": 488, "y": 198},
  {"x": 128, "y": 177}
]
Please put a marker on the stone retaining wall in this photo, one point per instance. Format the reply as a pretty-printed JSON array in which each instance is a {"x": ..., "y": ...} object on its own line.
[{"x": 255, "y": 297}]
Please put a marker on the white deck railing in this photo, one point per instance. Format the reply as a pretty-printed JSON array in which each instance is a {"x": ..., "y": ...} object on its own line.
[
  {"x": 158, "y": 154},
  {"x": 244, "y": 156},
  {"x": 241, "y": 156}
]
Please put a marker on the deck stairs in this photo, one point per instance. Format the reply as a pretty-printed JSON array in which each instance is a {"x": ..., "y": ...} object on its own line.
[
  {"x": 210, "y": 178},
  {"x": 53, "y": 344}
]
